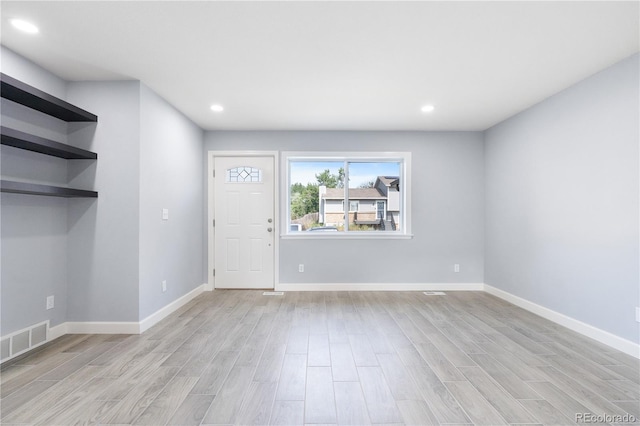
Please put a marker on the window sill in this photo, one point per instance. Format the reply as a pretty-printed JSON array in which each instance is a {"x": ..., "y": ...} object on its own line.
[{"x": 344, "y": 236}]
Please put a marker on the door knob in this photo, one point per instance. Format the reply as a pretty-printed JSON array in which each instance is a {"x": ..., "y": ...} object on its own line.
[
  {"x": 269, "y": 229},
  {"x": 269, "y": 220}
]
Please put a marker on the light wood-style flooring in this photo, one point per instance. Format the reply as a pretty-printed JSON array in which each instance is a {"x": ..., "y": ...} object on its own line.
[{"x": 348, "y": 358}]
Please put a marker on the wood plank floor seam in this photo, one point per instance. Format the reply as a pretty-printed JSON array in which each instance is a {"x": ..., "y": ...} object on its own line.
[{"x": 344, "y": 358}]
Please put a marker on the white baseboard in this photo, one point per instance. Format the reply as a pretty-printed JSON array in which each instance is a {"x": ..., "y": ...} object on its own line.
[
  {"x": 379, "y": 287},
  {"x": 93, "y": 327},
  {"x": 103, "y": 327},
  {"x": 121, "y": 327},
  {"x": 162, "y": 313},
  {"x": 585, "y": 329},
  {"x": 57, "y": 331}
]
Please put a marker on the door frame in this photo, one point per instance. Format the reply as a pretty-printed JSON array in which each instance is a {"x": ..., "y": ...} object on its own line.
[{"x": 211, "y": 156}]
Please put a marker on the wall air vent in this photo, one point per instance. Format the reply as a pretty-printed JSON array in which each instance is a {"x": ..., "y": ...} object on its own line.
[{"x": 24, "y": 340}]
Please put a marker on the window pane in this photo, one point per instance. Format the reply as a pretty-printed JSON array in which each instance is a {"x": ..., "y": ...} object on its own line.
[
  {"x": 374, "y": 196},
  {"x": 372, "y": 202},
  {"x": 316, "y": 195},
  {"x": 243, "y": 174}
]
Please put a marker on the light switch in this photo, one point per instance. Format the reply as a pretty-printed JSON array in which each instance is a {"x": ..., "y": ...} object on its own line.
[{"x": 165, "y": 214}]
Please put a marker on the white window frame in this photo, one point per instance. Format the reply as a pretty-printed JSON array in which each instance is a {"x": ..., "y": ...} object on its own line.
[{"x": 404, "y": 158}]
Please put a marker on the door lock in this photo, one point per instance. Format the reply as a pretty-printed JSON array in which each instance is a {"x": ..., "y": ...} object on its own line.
[
  {"x": 269, "y": 229},
  {"x": 269, "y": 220}
]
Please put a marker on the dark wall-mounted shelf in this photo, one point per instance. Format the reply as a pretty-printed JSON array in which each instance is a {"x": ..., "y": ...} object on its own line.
[
  {"x": 29, "y": 96},
  {"x": 52, "y": 191},
  {"x": 18, "y": 139}
]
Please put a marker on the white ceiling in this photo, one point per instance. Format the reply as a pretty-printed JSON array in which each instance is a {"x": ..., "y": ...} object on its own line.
[{"x": 332, "y": 65}]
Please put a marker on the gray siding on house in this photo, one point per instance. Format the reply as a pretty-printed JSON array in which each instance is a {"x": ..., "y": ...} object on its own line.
[
  {"x": 394, "y": 200},
  {"x": 382, "y": 187},
  {"x": 366, "y": 206},
  {"x": 392, "y": 194},
  {"x": 333, "y": 206}
]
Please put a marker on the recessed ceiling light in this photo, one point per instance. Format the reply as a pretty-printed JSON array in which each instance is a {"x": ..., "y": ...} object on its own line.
[
  {"x": 25, "y": 26},
  {"x": 217, "y": 108},
  {"x": 427, "y": 108}
]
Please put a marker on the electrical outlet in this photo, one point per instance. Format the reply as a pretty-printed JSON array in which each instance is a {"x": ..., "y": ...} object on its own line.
[
  {"x": 301, "y": 267},
  {"x": 164, "y": 286},
  {"x": 50, "y": 302},
  {"x": 638, "y": 314},
  {"x": 165, "y": 214},
  {"x": 456, "y": 267}
]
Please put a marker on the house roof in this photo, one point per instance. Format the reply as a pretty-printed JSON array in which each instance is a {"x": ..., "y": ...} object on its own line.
[
  {"x": 388, "y": 180},
  {"x": 354, "y": 194}
]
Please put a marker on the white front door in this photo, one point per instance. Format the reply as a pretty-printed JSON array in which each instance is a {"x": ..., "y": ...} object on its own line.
[{"x": 244, "y": 222}]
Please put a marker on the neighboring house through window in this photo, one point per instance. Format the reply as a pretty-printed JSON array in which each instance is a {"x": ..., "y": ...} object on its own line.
[
  {"x": 373, "y": 185},
  {"x": 373, "y": 209}
]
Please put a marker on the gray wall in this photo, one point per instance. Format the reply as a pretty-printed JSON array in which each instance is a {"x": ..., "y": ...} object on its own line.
[
  {"x": 447, "y": 213},
  {"x": 170, "y": 177},
  {"x": 26, "y": 71},
  {"x": 555, "y": 189},
  {"x": 562, "y": 202},
  {"x": 33, "y": 260},
  {"x": 104, "y": 233},
  {"x": 102, "y": 259}
]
